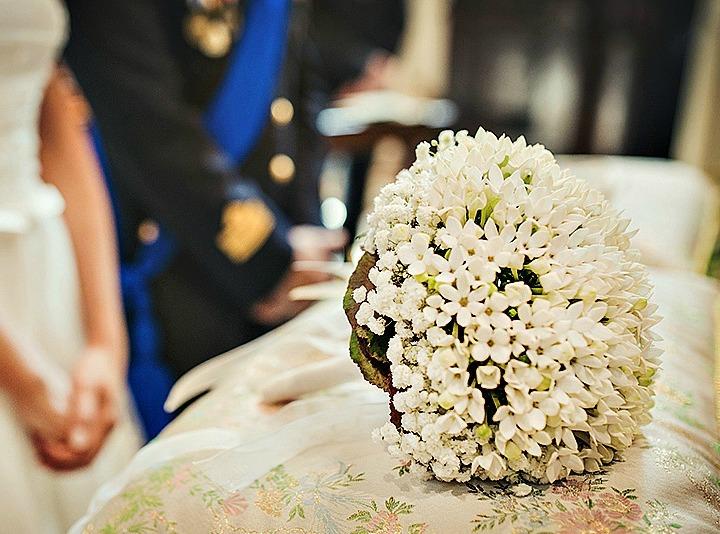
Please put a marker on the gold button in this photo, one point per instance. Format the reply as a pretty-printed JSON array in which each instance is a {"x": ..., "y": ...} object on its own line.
[
  {"x": 148, "y": 232},
  {"x": 282, "y": 168},
  {"x": 281, "y": 111}
]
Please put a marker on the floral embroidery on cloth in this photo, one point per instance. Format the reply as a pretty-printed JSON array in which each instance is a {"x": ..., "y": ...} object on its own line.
[{"x": 668, "y": 483}]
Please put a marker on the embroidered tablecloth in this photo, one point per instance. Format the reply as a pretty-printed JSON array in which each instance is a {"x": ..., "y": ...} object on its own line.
[{"x": 311, "y": 466}]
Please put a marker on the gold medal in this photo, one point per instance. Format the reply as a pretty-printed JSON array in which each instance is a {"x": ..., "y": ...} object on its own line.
[{"x": 211, "y": 27}]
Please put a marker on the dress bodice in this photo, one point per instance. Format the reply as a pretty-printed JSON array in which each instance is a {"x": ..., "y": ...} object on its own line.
[{"x": 31, "y": 34}]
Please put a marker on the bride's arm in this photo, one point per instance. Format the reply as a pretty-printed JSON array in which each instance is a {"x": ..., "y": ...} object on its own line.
[
  {"x": 69, "y": 163},
  {"x": 22, "y": 382}
]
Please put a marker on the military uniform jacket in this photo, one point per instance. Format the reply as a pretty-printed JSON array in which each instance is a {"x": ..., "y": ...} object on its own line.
[{"x": 130, "y": 59}]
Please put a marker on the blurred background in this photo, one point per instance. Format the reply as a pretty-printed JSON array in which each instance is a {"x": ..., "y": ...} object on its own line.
[
  {"x": 632, "y": 78},
  {"x": 320, "y": 109}
]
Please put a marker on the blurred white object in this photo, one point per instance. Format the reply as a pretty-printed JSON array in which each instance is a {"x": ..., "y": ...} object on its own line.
[
  {"x": 43, "y": 202},
  {"x": 355, "y": 113},
  {"x": 333, "y": 212},
  {"x": 295, "y": 340},
  {"x": 311, "y": 377}
]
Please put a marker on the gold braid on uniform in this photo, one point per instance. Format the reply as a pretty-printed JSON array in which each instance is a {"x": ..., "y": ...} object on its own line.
[{"x": 246, "y": 225}]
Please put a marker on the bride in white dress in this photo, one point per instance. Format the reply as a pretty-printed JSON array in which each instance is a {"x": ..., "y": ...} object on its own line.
[{"x": 62, "y": 346}]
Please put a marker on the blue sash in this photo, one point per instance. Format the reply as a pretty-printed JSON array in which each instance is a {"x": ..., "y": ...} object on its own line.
[
  {"x": 239, "y": 111},
  {"x": 235, "y": 120}
]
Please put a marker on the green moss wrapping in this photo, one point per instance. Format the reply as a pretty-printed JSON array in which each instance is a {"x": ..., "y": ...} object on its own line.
[{"x": 367, "y": 350}]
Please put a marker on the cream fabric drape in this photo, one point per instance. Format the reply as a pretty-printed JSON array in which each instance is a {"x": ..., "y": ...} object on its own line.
[
  {"x": 424, "y": 56},
  {"x": 697, "y": 138}
]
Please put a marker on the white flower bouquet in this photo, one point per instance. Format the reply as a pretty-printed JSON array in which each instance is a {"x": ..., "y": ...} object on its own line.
[{"x": 501, "y": 306}]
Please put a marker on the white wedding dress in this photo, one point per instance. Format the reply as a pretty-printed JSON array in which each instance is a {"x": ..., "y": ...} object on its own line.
[{"x": 39, "y": 292}]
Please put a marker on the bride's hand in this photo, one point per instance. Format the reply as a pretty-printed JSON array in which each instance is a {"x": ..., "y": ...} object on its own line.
[
  {"x": 93, "y": 409},
  {"x": 56, "y": 444},
  {"x": 96, "y": 393},
  {"x": 36, "y": 410}
]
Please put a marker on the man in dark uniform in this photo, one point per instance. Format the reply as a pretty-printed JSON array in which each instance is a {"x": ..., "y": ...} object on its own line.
[{"x": 229, "y": 275}]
